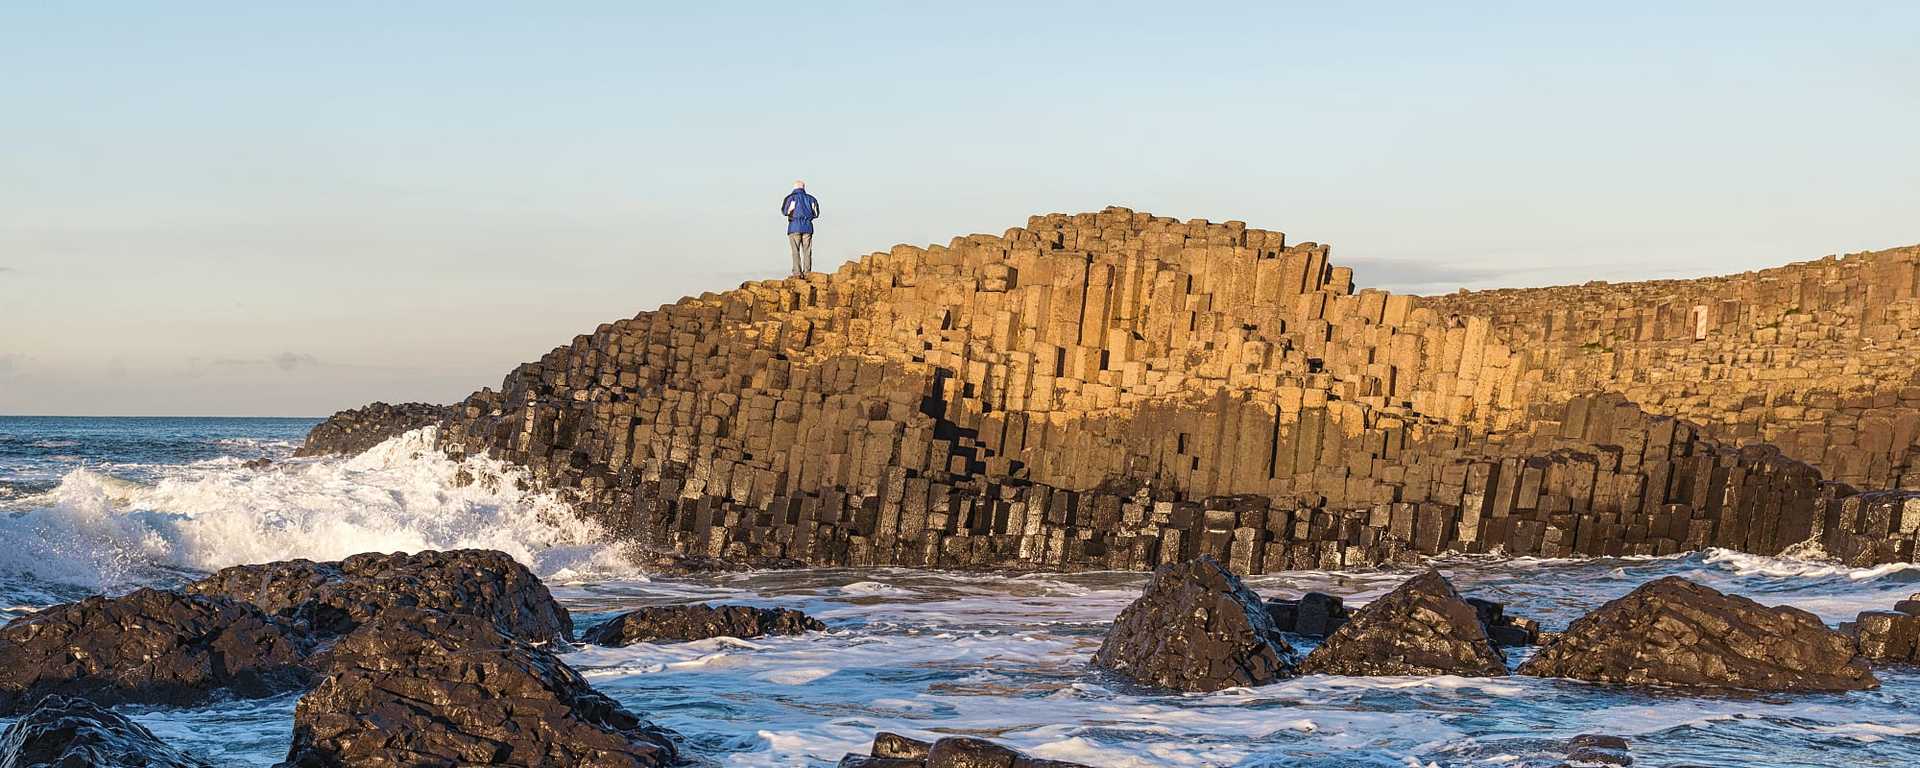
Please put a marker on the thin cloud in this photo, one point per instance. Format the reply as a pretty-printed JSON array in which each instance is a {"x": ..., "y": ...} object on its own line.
[
  {"x": 6, "y": 269},
  {"x": 288, "y": 361},
  {"x": 1416, "y": 276},
  {"x": 10, "y": 362},
  {"x": 285, "y": 361}
]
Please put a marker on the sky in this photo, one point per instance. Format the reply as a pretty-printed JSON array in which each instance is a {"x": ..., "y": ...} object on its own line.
[{"x": 283, "y": 208}]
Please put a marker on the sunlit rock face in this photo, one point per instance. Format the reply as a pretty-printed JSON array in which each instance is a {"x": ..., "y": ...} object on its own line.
[
  {"x": 1422, "y": 627},
  {"x": 1118, "y": 390},
  {"x": 1196, "y": 628},
  {"x": 1677, "y": 633}
]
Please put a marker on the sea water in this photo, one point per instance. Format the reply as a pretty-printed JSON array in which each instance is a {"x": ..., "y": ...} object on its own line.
[{"x": 108, "y": 505}]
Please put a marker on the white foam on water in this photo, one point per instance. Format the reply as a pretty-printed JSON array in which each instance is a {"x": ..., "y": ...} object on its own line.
[
  {"x": 874, "y": 588},
  {"x": 1869, "y": 732},
  {"x": 109, "y": 534},
  {"x": 1803, "y": 567}
]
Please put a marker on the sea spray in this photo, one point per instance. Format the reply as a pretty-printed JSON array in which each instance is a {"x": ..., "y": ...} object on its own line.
[{"x": 104, "y": 533}]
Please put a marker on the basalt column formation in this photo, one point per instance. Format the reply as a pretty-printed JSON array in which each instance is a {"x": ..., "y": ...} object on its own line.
[{"x": 1120, "y": 390}]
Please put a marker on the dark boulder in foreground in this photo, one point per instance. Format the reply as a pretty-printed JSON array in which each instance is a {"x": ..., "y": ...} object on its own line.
[
  {"x": 61, "y": 732},
  {"x": 1196, "y": 628},
  {"x": 678, "y": 623},
  {"x": 1675, "y": 632},
  {"x": 1422, "y": 627},
  {"x": 148, "y": 647},
  {"x": 353, "y": 431},
  {"x": 335, "y": 597},
  {"x": 891, "y": 750},
  {"x": 415, "y": 687}
]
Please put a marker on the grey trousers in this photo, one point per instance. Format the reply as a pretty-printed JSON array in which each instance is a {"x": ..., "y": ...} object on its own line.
[{"x": 802, "y": 244}]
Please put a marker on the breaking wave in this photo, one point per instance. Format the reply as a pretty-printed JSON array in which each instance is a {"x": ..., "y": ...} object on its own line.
[{"x": 103, "y": 533}]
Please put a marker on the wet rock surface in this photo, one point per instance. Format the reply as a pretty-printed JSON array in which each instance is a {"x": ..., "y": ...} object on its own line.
[
  {"x": 1504, "y": 629},
  {"x": 698, "y": 622},
  {"x": 417, "y": 687},
  {"x": 891, "y": 750},
  {"x": 334, "y": 597},
  {"x": 1591, "y": 750},
  {"x": 149, "y": 647},
  {"x": 677, "y": 564},
  {"x": 61, "y": 732},
  {"x": 1314, "y": 614},
  {"x": 1889, "y": 636},
  {"x": 353, "y": 431},
  {"x": 1422, "y": 627},
  {"x": 1196, "y": 628},
  {"x": 1674, "y": 632}
]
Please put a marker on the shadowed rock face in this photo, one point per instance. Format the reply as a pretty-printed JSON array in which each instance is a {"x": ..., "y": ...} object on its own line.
[
  {"x": 891, "y": 750},
  {"x": 335, "y": 597},
  {"x": 698, "y": 622},
  {"x": 414, "y": 687},
  {"x": 354, "y": 431},
  {"x": 148, "y": 647},
  {"x": 73, "y": 733},
  {"x": 1675, "y": 632},
  {"x": 1196, "y": 628},
  {"x": 1422, "y": 627}
]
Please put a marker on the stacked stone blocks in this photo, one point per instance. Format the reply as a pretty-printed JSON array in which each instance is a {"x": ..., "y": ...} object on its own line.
[{"x": 1118, "y": 390}]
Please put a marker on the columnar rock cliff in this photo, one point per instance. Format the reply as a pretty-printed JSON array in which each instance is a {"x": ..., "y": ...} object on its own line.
[{"x": 1119, "y": 390}]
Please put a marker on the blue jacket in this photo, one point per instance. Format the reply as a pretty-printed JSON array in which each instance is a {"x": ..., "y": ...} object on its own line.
[{"x": 800, "y": 209}]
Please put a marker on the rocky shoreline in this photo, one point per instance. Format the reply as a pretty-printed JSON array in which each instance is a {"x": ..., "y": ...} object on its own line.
[{"x": 458, "y": 657}]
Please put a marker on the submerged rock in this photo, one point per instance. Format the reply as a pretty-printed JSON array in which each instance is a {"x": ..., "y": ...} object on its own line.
[
  {"x": 1196, "y": 628},
  {"x": 415, "y": 687},
  {"x": 698, "y": 622},
  {"x": 1593, "y": 750},
  {"x": 352, "y": 432},
  {"x": 891, "y": 750},
  {"x": 1422, "y": 627},
  {"x": 60, "y": 732},
  {"x": 335, "y": 597},
  {"x": 1674, "y": 632},
  {"x": 148, "y": 647}
]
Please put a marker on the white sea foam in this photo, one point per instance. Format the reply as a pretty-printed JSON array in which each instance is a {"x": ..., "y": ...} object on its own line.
[
  {"x": 1802, "y": 567},
  {"x": 106, "y": 533},
  {"x": 867, "y": 588}
]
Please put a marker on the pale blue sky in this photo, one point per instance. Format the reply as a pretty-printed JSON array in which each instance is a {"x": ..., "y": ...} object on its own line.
[{"x": 290, "y": 208}]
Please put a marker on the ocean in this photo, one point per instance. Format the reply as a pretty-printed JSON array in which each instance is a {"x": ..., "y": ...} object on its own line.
[{"x": 91, "y": 505}]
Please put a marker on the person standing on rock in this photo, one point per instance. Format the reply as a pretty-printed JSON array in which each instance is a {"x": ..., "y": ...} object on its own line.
[{"x": 800, "y": 209}]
